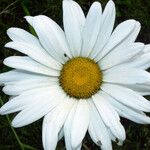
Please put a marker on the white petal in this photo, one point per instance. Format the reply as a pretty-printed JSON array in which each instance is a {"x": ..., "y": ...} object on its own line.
[
  {"x": 53, "y": 123},
  {"x": 118, "y": 36},
  {"x": 91, "y": 28},
  {"x": 31, "y": 97},
  {"x": 142, "y": 62},
  {"x": 21, "y": 86},
  {"x": 127, "y": 97},
  {"x": 147, "y": 48},
  {"x": 73, "y": 20},
  {"x": 32, "y": 114},
  {"x": 133, "y": 35},
  {"x": 126, "y": 76},
  {"x": 143, "y": 89},
  {"x": 129, "y": 113},
  {"x": 118, "y": 55},
  {"x": 51, "y": 37},
  {"x": 21, "y": 102},
  {"x": 13, "y": 106},
  {"x": 67, "y": 127},
  {"x": 30, "y": 45},
  {"x": 22, "y": 77},
  {"x": 20, "y": 35},
  {"x": 80, "y": 123},
  {"x": 28, "y": 64},
  {"x": 112, "y": 120},
  {"x": 38, "y": 109},
  {"x": 15, "y": 75},
  {"x": 108, "y": 19},
  {"x": 134, "y": 116},
  {"x": 97, "y": 129},
  {"x": 36, "y": 52}
]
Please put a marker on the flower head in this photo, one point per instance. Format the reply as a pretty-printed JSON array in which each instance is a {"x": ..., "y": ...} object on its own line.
[{"x": 81, "y": 79}]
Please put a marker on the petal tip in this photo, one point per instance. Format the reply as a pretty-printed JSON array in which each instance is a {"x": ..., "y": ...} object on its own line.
[
  {"x": 9, "y": 30},
  {"x": 138, "y": 23},
  {"x": 29, "y": 19},
  {"x": 5, "y": 63},
  {"x": 2, "y": 111},
  {"x": 15, "y": 124},
  {"x": 64, "y": 1},
  {"x": 111, "y": 2},
  {"x": 7, "y": 45}
]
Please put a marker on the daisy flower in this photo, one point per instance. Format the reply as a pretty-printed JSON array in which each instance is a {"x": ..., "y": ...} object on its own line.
[{"x": 81, "y": 79}]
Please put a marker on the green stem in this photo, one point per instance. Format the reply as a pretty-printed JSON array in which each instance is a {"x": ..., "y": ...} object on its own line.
[
  {"x": 13, "y": 130},
  {"x": 27, "y": 13}
]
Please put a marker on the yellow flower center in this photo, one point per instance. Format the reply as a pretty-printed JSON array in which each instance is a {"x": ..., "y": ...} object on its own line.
[{"x": 80, "y": 77}]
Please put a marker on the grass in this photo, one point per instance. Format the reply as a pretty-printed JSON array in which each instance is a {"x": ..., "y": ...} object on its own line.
[{"x": 11, "y": 15}]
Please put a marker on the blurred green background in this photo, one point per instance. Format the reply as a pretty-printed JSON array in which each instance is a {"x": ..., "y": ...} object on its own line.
[{"x": 11, "y": 15}]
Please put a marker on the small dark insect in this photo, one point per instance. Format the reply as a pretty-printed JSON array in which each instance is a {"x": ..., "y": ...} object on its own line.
[{"x": 65, "y": 54}]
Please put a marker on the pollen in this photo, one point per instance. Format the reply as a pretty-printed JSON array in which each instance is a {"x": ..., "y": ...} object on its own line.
[{"x": 80, "y": 77}]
